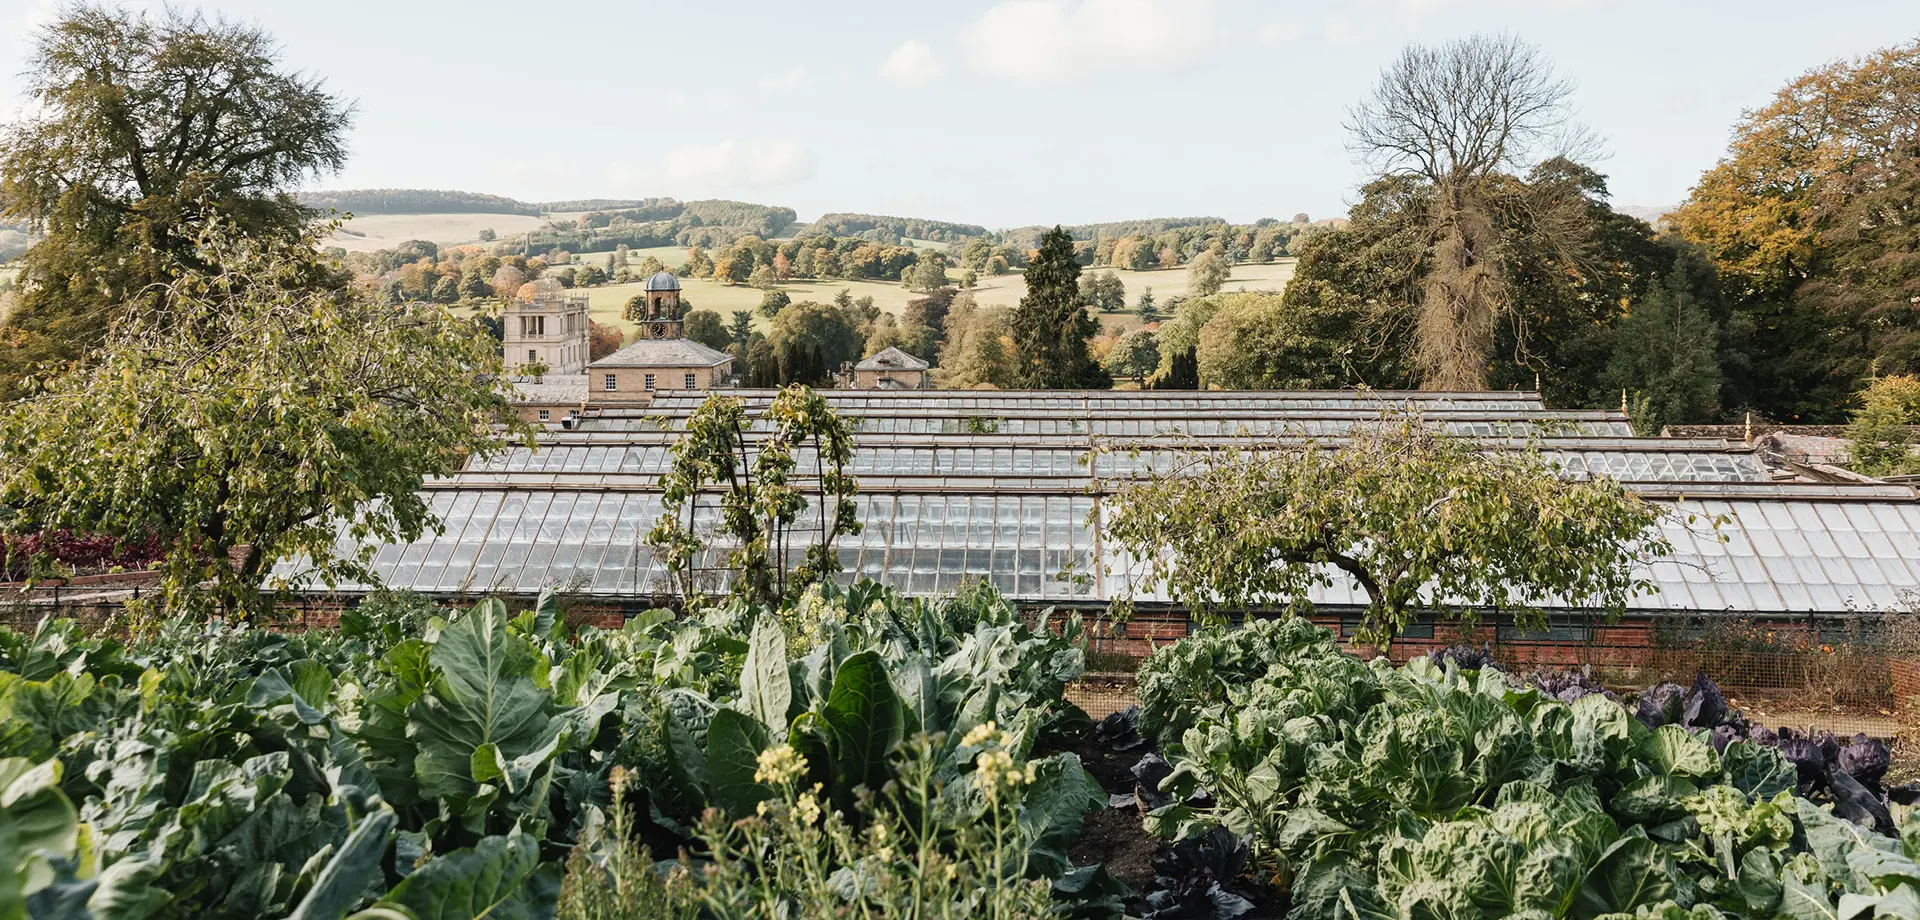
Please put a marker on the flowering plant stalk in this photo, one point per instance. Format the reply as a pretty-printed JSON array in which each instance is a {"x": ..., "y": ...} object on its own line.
[{"x": 919, "y": 850}]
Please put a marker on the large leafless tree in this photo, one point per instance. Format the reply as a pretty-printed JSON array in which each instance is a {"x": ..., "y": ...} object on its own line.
[{"x": 1462, "y": 117}]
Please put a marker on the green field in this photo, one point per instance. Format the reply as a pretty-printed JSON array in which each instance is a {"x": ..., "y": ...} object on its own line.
[{"x": 1003, "y": 290}]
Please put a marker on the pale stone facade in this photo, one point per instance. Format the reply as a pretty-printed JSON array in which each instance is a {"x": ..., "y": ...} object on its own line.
[{"x": 550, "y": 330}]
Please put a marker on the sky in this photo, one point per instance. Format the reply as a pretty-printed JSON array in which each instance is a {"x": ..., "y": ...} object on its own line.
[{"x": 1003, "y": 114}]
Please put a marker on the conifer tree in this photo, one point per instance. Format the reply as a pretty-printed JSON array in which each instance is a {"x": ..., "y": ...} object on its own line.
[{"x": 1051, "y": 326}]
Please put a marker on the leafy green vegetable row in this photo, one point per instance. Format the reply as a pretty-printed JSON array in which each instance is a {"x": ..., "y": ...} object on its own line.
[
  {"x": 1368, "y": 790},
  {"x": 431, "y": 763}
]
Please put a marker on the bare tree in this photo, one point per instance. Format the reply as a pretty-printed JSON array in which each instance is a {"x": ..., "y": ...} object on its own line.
[{"x": 1460, "y": 117}]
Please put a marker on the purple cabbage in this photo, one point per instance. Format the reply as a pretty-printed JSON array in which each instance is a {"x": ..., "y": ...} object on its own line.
[
  {"x": 1865, "y": 759},
  {"x": 1465, "y": 657}
]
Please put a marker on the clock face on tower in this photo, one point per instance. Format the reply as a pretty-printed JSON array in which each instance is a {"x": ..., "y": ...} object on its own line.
[{"x": 659, "y": 330}]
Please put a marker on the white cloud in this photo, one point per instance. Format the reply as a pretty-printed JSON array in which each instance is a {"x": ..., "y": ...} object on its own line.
[
  {"x": 739, "y": 164},
  {"x": 912, "y": 64},
  {"x": 1050, "y": 39},
  {"x": 786, "y": 81}
]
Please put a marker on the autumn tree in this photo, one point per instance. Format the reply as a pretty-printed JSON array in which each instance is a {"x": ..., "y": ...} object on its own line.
[
  {"x": 1050, "y": 327},
  {"x": 143, "y": 130},
  {"x": 1809, "y": 218},
  {"x": 1417, "y": 520},
  {"x": 1458, "y": 118},
  {"x": 244, "y": 414},
  {"x": 602, "y": 340}
]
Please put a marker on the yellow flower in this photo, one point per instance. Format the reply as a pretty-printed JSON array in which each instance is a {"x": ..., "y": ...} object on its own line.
[
  {"x": 779, "y": 765},
  {"x": 986, "y": 733},
  {"x": 807, "y": 807}
]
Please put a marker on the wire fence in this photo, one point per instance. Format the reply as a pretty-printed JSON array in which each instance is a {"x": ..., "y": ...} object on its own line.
[{"x": 1849, "y": 673}]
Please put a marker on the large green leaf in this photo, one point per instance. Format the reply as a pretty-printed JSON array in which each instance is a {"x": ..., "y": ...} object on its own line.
[
  {"x": 343, "y": 881},
  {"x": 501, "y": 878},
  {"x": 37, "y": 823},
  {"x": 734, "y": 742},
  {"x": 764, "y": 683},
  {"x": 1633, "y": 872},
  {"x": 866, "y": 719},
  {"x": 1053, "y": 808},
  {"x": 1672, "y": 751},
  {"x": 483, "y": 708}
]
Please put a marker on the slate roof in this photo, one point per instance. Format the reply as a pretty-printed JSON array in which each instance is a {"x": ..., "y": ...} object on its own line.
[
  {"x": 892, "y": 359},
  {"x": 551, "y": 389},
  {"x": 664, "y": 353}
]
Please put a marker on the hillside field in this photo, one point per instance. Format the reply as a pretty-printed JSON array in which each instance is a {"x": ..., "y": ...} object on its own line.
[
  {"x": 385, "y": 231},
  {"x": 1003, "y": 290}
]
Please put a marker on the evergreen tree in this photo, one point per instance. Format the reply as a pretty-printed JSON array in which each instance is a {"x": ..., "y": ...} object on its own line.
[
  {"x": 1148, "y": 312},
  {"x": 1664, "y": 354},
  {"x": 742, "y": 329},
  {"x": 1051, "y": 327}
]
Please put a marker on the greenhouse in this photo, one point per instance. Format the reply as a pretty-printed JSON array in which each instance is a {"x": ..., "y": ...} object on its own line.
[{"x": 1007, "y": 487}]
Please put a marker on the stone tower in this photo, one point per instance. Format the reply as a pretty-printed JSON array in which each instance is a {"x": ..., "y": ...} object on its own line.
[{"x": 662, "y": 317}]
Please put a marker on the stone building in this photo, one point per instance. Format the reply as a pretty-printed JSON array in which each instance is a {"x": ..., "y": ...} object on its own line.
[
  {"x": 661, "y": 357},
  {"x": 891, "y": 369},
  {"x": 550, "y": 330}
]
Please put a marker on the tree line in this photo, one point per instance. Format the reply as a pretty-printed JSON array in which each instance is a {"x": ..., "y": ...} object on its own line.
[
  {"x": 889, "y": 229},
  {"x": 1480, "y": 259},
  {"x": 413, "y": 201}
]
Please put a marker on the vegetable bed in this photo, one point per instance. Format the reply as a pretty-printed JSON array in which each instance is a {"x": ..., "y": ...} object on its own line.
[{"x": 1446, "y": 789}]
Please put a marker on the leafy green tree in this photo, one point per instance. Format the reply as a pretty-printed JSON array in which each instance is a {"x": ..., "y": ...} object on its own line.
[
  {"x": 762, "y": 277},
  {"x": 143, "y": 130},
  {"x": 929, "y": 274},
  {"x": 1421, "y": 521},
  {"x": 1664, "y": 354},
  {"x": 1050, "y": 327},
  {"x": 1181, "y": 335},
  {"x": 1135, "y": 355},
  {"x": 1109, "y": 293},
  {"x": 706, "y": 327},
  {"x": 476, "y": 284},
  {"x": 1257, "y": 341},
  {"x": 244, "y": 414},
  {"x": 772, "y": 302},
  {"x": 741, "y": 331},
  {"x": 1148, "y": 312},
  {"x": 976, "y": 353},
  {"x": 1881, "y": 433},
  {"x": 446, "y": 290},
  {"x": 809, "y": 342},
  {"x": 761, "y": 504},
  {"x": 487, "y": 235},
  {"x": 1208, "y": 273},
  {"x": 649, "y": 266},
  {"x": 588, "y": 276}
]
